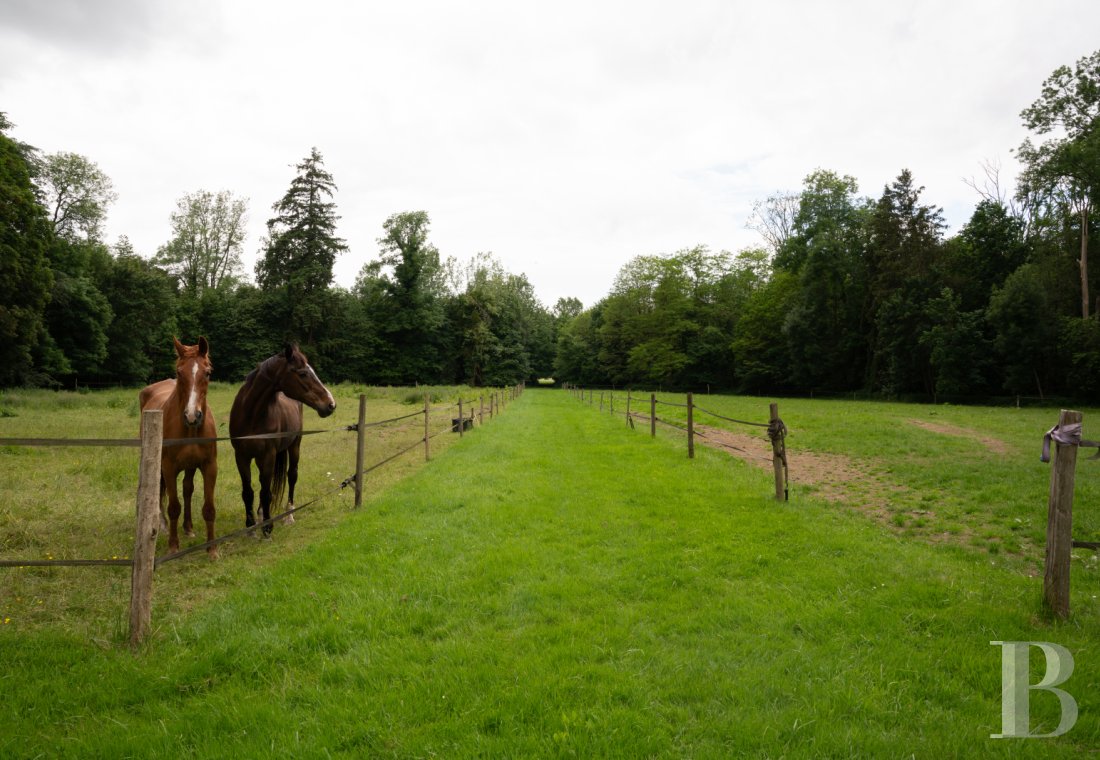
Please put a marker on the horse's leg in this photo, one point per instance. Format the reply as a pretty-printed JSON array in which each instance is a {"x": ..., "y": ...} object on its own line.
[
  {"x": 188, "y": 491},
  {"x": 292, "y": 476},
  {"x": 209, "y": 478},
  {"x": 170, "y": 475},
  {"x": 244, "y": 468},
  {"x": 266, "y": 463},
  {"x": 163, "y": 516}
]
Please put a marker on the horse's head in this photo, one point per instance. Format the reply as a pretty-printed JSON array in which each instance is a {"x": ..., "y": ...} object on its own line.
[
  {"x": 299, "y": 382},
  {"x": 193, "y": 370}
]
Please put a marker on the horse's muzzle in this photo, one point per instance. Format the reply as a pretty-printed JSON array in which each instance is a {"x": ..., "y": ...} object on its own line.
[{"x": 195, "y": 422}]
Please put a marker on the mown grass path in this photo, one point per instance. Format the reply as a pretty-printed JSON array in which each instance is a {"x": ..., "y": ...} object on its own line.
[{"x": 556, "y": 585}]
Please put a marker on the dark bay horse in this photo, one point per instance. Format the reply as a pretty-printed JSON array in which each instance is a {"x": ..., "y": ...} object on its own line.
[
  {"x": 270, "y": 401},
  {"x": 186, "y": 415}
]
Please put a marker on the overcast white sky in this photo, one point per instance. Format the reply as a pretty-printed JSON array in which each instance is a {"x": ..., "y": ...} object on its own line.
[{"x": 564, "y": 137}]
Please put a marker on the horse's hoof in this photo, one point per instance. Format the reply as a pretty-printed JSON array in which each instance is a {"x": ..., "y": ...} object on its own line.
[
  {"x": 212, "y": 552},
  {"x": 189, "y": 533},
  {"x": 289, "y": 519}
]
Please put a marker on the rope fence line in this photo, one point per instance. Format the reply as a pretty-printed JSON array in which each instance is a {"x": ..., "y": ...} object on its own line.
[
  {"x": 249, "y": 529},
  {"x": 776, "y": 429},
  {"x": 731, "y": 419},
  {"x": 144, "y": 562}
]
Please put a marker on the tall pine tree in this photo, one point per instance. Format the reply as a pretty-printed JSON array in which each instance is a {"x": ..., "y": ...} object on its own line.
[{"x": 301, "y": 248}]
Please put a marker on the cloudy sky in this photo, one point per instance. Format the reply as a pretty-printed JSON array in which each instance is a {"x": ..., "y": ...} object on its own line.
[{"x": 564, "y": 137}]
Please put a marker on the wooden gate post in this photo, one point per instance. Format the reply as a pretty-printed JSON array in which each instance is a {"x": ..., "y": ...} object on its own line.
[
  {"x": 148, "y": 525},
  {"x": 1060, "y": 521},
  {"x": 777, "y": 454},
  {"x": 652, "y": 415},
  {"x": 691, "y": 427},
  {"x": 360, "y": 448}
]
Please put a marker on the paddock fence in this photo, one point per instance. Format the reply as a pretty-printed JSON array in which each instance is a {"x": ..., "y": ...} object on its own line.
[
  {"x": 629, "y": 405},
  {"x": 456, "y": 418}
]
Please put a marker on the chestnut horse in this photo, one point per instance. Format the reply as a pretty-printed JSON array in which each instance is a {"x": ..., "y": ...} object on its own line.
[
  {"x": 186, "y": 415},
  {"x": 270, "y": 402}
]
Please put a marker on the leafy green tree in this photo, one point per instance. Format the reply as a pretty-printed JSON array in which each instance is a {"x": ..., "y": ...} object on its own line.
[
  {"x": 576, "y": 359},
  {"x": 404, "y": 291},
  {"x": 301, "y": 247},
  {"x": 761, "y": 355},
  {"x": 208, "y": 231},
  {"x": 1024, "y": 329},
  {"x": 959, "y": 351},
  {"x": 76, "y": 194},
  {"x": 567, "y": 308},
  {"x": 1069, "y": 107},
  {"x": 78, "y": 317},
  {"x": 1079, "y": 347},
  {"x": 25, "y": 277},
  {"x": 139, "y": 337},
  {"x": 989, "y": 248},
  {"x": 826, "y": 325},
  {"x": 828, "y": 212}
]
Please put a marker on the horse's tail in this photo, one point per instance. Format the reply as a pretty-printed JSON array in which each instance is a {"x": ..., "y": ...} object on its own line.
[{"x": 278, "y": 479}]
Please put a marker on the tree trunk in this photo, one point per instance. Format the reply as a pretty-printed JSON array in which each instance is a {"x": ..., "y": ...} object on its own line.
[{"x": 1084, "y": 261}]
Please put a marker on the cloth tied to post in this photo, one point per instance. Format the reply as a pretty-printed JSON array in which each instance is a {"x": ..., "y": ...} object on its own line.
[{"x": 1067, "y": 435}]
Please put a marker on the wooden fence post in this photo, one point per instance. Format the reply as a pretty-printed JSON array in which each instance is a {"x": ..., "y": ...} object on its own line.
[
  {"x": 777, "y": 454},
  {"x": 148, "y": 525},
  {"x": 691, "y": 427},
  {"x": 652, "y": 415},
  {"x": 1060, "y": 521},
  {"x": 427, "y": 410},
  {"x": 628, "y": 407},
  {"x": 461, "y": 418},
  {"x": 612, "y": 400},
  {"x": 601, "y": 402},
  {"x": 360, "y": 448}
]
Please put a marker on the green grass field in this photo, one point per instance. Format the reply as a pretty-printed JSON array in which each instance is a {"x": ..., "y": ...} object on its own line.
[{"x": 555, "y": 584}]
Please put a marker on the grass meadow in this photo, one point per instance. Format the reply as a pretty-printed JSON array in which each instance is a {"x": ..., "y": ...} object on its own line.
[{"x": 556, "y": 585}]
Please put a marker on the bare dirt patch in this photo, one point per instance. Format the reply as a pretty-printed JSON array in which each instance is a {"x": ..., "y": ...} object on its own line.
[
  {"x": 829, "y": 473},
  {"x": 996, "y": 445},
  {"x": 837, "y": 478}
]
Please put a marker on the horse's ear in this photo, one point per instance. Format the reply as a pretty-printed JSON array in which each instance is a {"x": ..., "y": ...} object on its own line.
[
  {"x": 179, "y": 347},
  {"x": 288, "y": 352},
  {"x": 204, "y": 346}
]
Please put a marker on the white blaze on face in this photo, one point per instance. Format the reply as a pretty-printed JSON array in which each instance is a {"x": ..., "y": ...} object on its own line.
[
  {"x": 192, "y": 411},
  {"x": 331, "y": 400}
]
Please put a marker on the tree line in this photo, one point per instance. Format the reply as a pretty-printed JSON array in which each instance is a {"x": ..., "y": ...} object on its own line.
[
  {"x": 847, "y": 293},
  {"x": 858, "y": 293},
  {"x": 75, "y": 310}
]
